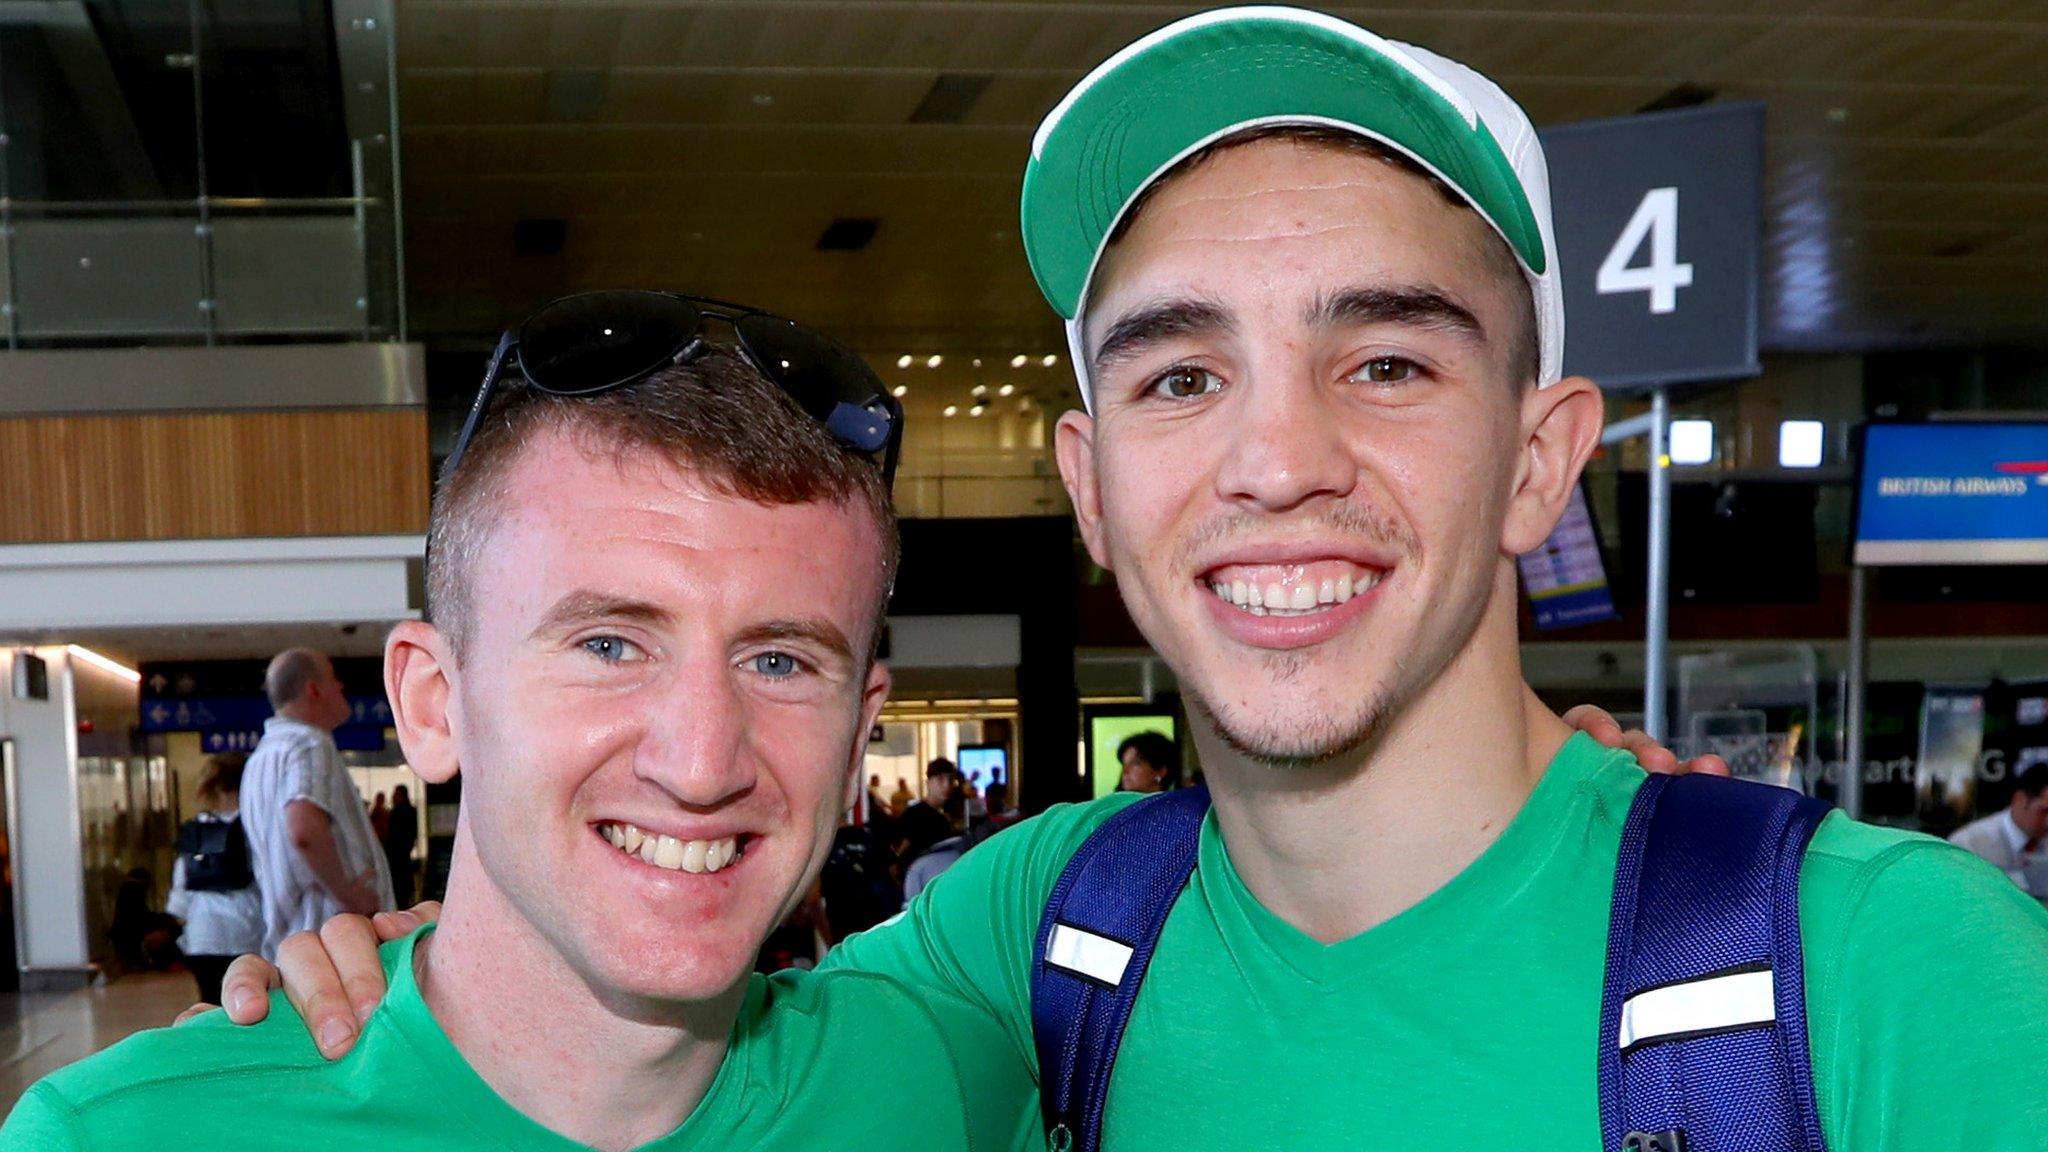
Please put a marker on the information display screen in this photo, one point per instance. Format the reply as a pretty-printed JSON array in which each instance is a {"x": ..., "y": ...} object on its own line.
[
  {"x": 1566, "y": 579},
  {"x": 1953, "y": 493}
]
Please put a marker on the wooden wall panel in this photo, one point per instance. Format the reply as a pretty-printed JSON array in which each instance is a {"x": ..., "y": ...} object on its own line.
[{"x": 334, "y": 472}]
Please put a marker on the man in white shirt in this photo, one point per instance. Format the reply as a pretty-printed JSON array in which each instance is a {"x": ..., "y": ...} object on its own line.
[
  {"x": 315, "y": 853},
  {"x": 2012, "y": 839}
]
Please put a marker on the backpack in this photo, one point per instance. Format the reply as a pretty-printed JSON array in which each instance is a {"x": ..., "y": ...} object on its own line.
[
  {"x": 1703, "y": 1014},
  {"x": 215, "y": 854}
]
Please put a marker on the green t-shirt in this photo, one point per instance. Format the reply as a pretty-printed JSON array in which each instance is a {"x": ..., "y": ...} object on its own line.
[
  {"x": 1471, "y": 1019},
  {"x": 846, "y": 1061}
]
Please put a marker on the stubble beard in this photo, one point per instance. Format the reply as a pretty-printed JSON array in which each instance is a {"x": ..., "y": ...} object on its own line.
[{"x": 1289, "y": 745}]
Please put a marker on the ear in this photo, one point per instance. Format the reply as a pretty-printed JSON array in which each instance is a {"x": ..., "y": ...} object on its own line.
[
  {"x": 420, "y": 682},
  {"x": 872, "y": 696},
  {"x": 1560, "y": 429},
  {"x": 1074, "y": 445}
]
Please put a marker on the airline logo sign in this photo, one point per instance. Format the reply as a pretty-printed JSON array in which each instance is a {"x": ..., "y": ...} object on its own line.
[{"x": 1962, "y": 493}]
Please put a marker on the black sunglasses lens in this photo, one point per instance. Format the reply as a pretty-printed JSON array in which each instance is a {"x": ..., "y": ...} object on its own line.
[
  {"x": 824, "y": 377},
  {"x": 598, "y": 340}
]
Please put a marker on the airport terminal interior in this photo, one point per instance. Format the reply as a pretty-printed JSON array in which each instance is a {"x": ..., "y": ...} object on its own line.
[{"x": 256, "y": 257}]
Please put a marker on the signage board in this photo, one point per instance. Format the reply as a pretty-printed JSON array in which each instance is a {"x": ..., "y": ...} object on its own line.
[
  {"x": 1952, "y": 493},
  {"x": 1658, "y": 222}
]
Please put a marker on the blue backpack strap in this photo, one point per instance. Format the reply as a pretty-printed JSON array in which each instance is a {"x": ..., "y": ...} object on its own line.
[
  {"x": 1094, "y": 944},
  {"x": 1703, "y": 1023}
]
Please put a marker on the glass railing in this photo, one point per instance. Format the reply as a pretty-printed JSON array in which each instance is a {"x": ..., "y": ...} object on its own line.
[{"x": 186, "y": 173}]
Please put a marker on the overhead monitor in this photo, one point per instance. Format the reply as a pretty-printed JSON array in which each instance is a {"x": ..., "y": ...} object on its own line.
[
  {"x": 1953, "y": 493},
  {"x": 1566, "y": 578}
]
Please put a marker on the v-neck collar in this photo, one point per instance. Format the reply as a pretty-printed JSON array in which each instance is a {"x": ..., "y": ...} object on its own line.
[{"x": 1485, "y": 889}]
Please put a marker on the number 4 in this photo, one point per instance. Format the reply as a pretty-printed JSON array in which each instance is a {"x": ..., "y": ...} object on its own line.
[{"x": 1663, "y": 276}]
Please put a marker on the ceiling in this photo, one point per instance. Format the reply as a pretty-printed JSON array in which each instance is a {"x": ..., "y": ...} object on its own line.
[{"x": 708, "y": 145}]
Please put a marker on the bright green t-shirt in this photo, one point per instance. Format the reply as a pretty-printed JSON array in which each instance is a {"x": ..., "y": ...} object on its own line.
[
  {"x": 1471, "y": 1020},
  {"x": 847, "y": 1061}
]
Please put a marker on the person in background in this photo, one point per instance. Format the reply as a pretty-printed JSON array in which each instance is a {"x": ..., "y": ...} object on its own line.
[
  {"x": 223, "y": 918},
  {"x": 144, "y": 939},
  {"x": 316, "y": 855},
  {"x": 926, "y": 822},
  {"x": 2008, "y": 839},
  {"x": 996, "y": 800},
  {"x": 1151, "y": 763},
  {"x": 901, "y": 799},
  {"x": 399, "y": 837},
  {"x": 380, "y": 817}
]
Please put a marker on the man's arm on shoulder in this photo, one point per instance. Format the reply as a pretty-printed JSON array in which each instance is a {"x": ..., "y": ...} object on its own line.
[
  {"x": 42, "y": 1121},
  {"x": 1938, "y": 1032}
]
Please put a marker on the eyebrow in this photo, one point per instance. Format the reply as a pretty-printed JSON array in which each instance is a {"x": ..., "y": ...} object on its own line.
[
  {"x": 822, "y": 633},
  {"x": 1169, "y": 320},
  {"x": 1416, "y": 306},
  {"x": 586, "y": 606}
]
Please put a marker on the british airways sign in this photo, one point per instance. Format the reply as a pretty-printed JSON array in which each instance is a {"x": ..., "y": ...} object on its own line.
[{"x": 1953, "y": 493}]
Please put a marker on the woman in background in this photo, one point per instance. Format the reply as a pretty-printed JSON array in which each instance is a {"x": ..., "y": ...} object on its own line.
[{"x": 213, "y": 889}]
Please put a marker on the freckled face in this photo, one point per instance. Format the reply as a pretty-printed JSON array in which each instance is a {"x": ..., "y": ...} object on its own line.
[{"x": 651, "y": 653}]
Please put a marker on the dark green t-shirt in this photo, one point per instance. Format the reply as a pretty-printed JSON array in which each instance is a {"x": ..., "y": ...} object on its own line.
[
  {"x": 847, "y": 1061},
  {"x": 1471, "y": 1019}
]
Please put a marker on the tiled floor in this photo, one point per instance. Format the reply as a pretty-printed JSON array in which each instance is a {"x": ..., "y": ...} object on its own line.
[{"x": 43, "y": 1031}]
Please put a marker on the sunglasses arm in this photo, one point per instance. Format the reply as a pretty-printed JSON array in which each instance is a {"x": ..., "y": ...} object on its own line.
[{"x": 483, "y": 399}]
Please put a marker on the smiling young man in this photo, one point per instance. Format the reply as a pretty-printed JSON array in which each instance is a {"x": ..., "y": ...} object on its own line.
[
  {"x": 651, "y": 662},
  {"x": 1312, "y": 299}
]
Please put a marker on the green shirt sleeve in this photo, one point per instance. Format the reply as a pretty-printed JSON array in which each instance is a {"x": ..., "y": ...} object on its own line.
[
  {"x": 1937, "y": 1034},
  {"x": 42, "y": 1121},
  {"x": 964, "y": 944}
]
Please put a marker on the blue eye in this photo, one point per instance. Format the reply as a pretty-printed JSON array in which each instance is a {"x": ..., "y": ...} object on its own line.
[
  {"x": 611, "y": 649},
  {"x": 775, "y": 665}
]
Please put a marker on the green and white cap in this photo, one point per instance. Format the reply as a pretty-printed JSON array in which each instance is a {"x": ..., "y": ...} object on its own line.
[{"x": 1206, "y": 77}]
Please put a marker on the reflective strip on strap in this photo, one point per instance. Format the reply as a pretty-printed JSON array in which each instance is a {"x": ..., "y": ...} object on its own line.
[
  {"x": 1087, "y": 954},
  {"x": 1711, "y": 1004}
]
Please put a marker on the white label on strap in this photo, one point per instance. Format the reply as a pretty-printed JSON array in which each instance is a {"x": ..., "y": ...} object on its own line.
[
  {"x": 1085, "y": 953},
  {"x": 1717, "y": 1002}
]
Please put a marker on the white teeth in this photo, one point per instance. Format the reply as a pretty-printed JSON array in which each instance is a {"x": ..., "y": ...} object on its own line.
[
  {"x": 670, "y": 853},
  {"x": 1278, "y": 598}
]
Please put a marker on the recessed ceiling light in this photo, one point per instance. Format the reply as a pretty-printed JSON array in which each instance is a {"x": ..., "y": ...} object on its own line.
[
  {"x": 1006, "y": 389},
  {"x": 1049, "y": 361},
  {"x": 904, "y": 361},
  {"x": 1837, "y": 115},
  {"x": 934, "y": 361},
  {"x": 1018, "y": 361},
  {"x": 1692, "y": 441},
  {"x": 763, "y": 99},
  {"x": 900, "y": 391},
  {"x": 977, "y": 361},
  {"x": 952, "y": 409},
  {"x": 980, "y": 389},
  {"x": 976, "y": 410},
  {"x": 1801, "y": 443}
]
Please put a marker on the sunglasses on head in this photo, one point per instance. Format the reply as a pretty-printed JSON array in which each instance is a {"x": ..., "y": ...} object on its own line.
[{"x": 594, "y": 342}]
